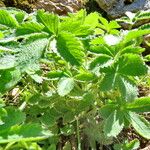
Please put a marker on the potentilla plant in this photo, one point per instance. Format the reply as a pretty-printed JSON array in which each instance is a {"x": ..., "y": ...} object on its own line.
[{"x": 80, "y": 72}]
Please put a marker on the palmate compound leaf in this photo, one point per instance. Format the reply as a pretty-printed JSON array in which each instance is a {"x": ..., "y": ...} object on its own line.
[
  {"x": 140, "y": 105},
  {"x": 79, "y": 24},
  {"x": 7, "y": 19},
  {"x": 65, "y": 85},
  {"x": 120, "y": 76},
  {"x": 114, "y": 124},
  {"x": 112, "y": 80},
  {"x": 70, "y": 48},
  {"x": 140, "y": 124}
]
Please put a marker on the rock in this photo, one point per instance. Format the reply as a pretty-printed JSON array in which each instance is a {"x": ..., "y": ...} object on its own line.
[
  {"x": 117, "y": 8},
  {"x": 60, "y": 7},
  {"x": 2, "y": 4}
]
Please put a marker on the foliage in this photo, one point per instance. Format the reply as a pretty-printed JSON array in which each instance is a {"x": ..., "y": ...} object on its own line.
[{"x": 69, "y": 70}]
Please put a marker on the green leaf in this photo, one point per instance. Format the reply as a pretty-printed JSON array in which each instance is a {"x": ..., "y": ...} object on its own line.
[
  {"x": 133, "y": 145},
  {"x": 101, "y": 49},
  {"x": 127, "y": 88},
  {"x": 132, "y": 65},
  {"x": 8, "y": 79},
  {"x": 65, "y": 85},
  {"x": 49, "y": 20},
  {"x": 101, "y": 61},
  {"x": 29, "y": 27},
  {"x": 7, "y": 19},
  {"x": 133, "y": 34},
  {"x": 104, "y": 21},
  {"x": 12, "y": 118},
  {"x": 92, "y": 20},
  {"x": 132, "y": 49},
  {"x": 7, "y": 62},
  {"x": 140, "y": 105},
  {"x": 55, "y": 74},
  {"x": 142, "y": 15},
  {"x": 30, "y": 52},
  {"x": 108, "y": 82},
  {"x": 20, "y": 16},
  {"x": 74, "y": 24},
  {"x": 75, "y": 28},
  {"x": 70, "y": 48},
  {"x": 114, "y": 25},
  {"x": 107, "y": 109},
  {"x": 114, "y": 124},
  {"x": 26, "y": 133},
  {"x": 140, "y": 124},
  {"x": 87, "y": 76}
]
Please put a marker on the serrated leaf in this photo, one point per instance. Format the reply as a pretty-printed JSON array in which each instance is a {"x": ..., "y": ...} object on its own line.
[
  {"x": 114, "y": 25},
  {"x": 133, "y": 34},
  {"x": 128, "y": 89},
  {"x": 70, "y": 48},
  {"x": 142, "y": 15},
  {"x": 98, "y": 40},
  {"x": 17, "y": 115},
  {"x": 49, "y": 20},
  {"x": 76, "y": 24},
  {"x": 7, "y": 19},
  {"x": 141, "y": 125},
  {"x": 114, "y": 124},
  {"x": 104, "y": 21},
  {"x": 140, "y": 105},
  {"x": 7, "y": 62},
  {"x": 108, "y": 82},
  {"x": 132, "y": 49},
  {"x": 29, "y": 27},
  {"x": 92, "y": 20},
  {"x": 106, "y": 110},
  {"x": 8, "y": 79},
  {"x": 26, "y": 133},
  {"x": 30, "y": 52},
  {"x": 101, "y": 49},
  {"x": 132, "y": 65},
  {"x": 75, "y": 28},
  {"x": 65, "y": 85},
  {"x": 20, "y": 16},
  {"x": 101, "y": 61}
]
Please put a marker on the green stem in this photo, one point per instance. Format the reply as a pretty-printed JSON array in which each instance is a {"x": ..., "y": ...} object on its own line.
[{"x": 78, "y": 134}]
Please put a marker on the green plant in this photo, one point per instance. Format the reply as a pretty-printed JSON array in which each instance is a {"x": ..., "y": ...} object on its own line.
[{"x": 69, "y": 75}]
